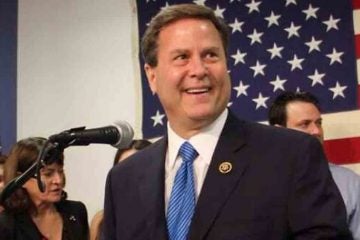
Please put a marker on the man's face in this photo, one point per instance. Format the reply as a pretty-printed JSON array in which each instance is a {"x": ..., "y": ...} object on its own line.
[
  {"x": 191, "y": 78},
  {"x": 305, "y": 117}
]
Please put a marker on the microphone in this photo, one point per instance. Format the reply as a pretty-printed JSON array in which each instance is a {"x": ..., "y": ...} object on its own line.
[{"x": 119, "y": 135}]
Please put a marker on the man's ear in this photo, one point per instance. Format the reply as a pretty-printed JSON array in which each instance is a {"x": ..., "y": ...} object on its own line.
[{"x": 151, "y": 77}]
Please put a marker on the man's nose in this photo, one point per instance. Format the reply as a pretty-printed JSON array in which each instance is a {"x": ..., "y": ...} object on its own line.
[{"x": 198, "y": 67}]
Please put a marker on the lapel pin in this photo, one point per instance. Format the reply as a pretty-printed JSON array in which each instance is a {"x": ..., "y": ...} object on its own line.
[{"x": 225, "y": 167}]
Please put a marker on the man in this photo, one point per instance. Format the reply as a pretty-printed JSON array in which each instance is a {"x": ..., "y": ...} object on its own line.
[
  {"x": 301, "y": 111},
  {"x": 213, "y": 176}
]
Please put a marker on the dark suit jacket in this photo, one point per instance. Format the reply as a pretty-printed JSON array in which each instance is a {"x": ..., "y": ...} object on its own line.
[
  {"x": 279, "y": 187},
  {"x": 21, "y": 227}
]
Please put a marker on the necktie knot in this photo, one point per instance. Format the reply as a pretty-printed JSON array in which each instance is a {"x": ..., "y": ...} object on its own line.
[{"x": 188, "y": 152}]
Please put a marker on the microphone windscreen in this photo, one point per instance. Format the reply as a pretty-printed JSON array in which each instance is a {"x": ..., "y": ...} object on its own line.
[{"x": 126, "y": 134}]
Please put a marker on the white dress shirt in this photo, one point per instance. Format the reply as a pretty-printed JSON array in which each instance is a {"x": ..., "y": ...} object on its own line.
[{"x": 203, "y": 142}]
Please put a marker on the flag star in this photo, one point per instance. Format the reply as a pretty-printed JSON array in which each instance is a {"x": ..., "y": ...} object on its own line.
[
  {"x": 255, "y": 37},
  {"x": 219, "y": 12},
  {"x": 158, "y": 118},
  {"x": 229, "y": 104},
  {"x": 200, "y": 2},
  {"x": 313, "y": 44},
  {"x": 292, "y": 30},
  {"x": 236, "y": 26},
  {"x": 335, "y": 56},
  {"x": 258, "y": 69},
  {"x": 275, "y": 51},
  {"x": 239, "y": 57},
  {"x": 298, "y": 90},
  {"x": 260, "y": 101},
  {"x": 331, "y": 23},
  {"x": 288, "y": 2},
  {"x": 241, "y": 89},
  {"x": 272, "y": 19},
  {"x": 278, "y": 83},
  {"x": 253, "y": 6},
  {"x": 310, "y": 12},
  {"x": 166, "y": 6},
  {"x": 316, "y": 78},
  {"x": 296, "y": 63},
  {"x": 338, "y": 90}
]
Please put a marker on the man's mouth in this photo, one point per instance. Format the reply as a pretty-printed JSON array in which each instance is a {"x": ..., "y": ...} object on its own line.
[{"x": 197, "y": 90}]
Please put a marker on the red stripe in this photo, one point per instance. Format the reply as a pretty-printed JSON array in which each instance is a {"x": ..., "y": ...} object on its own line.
[
  {"x": 357, "y": 45},
  {"x": 356, "y": 4},
  {"x": 343, "y": 151}
]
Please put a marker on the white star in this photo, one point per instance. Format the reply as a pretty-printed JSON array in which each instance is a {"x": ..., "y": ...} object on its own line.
[
  {"x": 278, "y": 83},
  {"x": 255, "y": 37},
  {"x": 158, "y": 118},
  {"x": 335, "y": 56},
  {"x": 295, "y": 63},
  {"x": 229, "y": 104},
  {"x": 236, "y": 26},
  {"x": 253, "y": 6},
  {"x": 313, "y": 44},
  {"x": 241, "y": 89},
  {"x": 338, "y": 90},
  {"x": 310, "y": 12},
  {"x": 275, "y": 51},
  {"x": 166, "y": 6},
  {"x": 239, "y": 57},
  {"x": 316, "y": 78},
  {"x": 200, "y": 2},
  {"x": 272, "y": 19},
  {"x": 258, "y": 69},
  {"x": 288, "y": 2},
  {"x": 219, "y": 11},
  {"x": 292, "y": 30},
  {"x": 331, "y": 23},
  {"x": 260, "y": 101}
]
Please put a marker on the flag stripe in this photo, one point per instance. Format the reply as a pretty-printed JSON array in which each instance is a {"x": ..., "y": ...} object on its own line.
[
  {"x": 357, "y": 45},
  {"x": 343, "y": 151},
  {"x": 356, "y": 4}
]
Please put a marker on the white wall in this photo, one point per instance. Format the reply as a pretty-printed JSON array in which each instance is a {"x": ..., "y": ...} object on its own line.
[{"x": 75, "y": 68}]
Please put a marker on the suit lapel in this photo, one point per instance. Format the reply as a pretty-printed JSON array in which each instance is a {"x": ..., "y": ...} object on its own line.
[
  {"x": 151, "y": 189},
  {"x": 218, "y": 185}
]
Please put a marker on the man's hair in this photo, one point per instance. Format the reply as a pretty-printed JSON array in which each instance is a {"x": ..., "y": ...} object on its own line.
[
  {"x": 149, "y": 42},
  {"x": 277, "y": 112}
]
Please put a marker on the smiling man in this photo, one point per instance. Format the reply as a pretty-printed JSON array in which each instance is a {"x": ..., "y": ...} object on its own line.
[{"x": 213, "y": 176}]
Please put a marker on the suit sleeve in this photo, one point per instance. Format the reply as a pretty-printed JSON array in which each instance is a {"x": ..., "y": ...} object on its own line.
[
  {"x": 316, "y": 209},
  {"x": 109, "y": 217}
]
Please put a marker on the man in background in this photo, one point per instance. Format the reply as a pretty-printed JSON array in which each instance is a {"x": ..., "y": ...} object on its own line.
[{"x": 301, "y": 111}]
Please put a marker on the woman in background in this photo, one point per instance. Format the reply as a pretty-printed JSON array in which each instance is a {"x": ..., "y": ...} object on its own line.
[
  {"x": 34, "y": 215},
  {"x": 121, "y": 154}
]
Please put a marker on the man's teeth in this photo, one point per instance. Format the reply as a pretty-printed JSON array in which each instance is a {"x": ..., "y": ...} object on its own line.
[{"x": 197, "y": 90}]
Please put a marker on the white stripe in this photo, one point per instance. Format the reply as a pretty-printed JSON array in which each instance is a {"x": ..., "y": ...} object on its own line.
[
  {"x": 356, "y": 17},
  {"x": 355, "y": 167},
  {"x": 341, "y": 125}
]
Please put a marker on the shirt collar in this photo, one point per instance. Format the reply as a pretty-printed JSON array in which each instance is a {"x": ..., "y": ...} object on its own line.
[{"x": 204, "y": 142}]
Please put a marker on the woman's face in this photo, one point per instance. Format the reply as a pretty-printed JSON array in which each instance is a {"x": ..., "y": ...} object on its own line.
[{"x": 53, "y": 178}]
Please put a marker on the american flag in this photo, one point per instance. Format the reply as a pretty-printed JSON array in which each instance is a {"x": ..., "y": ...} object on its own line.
[{"x": 277, "y": 45}]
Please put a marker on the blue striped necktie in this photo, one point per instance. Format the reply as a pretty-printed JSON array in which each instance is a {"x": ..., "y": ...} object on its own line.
[{"x": 182, "y": 198}]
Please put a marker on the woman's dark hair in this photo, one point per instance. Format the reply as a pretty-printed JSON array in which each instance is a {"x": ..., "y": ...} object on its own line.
[
  {"x": 136, "y": 144},
  {"x": 22, "y": 155}
]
